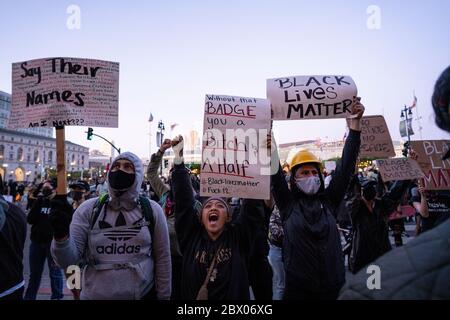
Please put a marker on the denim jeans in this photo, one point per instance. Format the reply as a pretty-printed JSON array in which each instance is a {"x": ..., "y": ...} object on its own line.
[
  {"x": 38, "y": 253},
  {"x": 276, "y": 261}
]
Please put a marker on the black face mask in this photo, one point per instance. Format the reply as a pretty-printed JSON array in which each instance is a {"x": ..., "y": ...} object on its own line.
[
  {"x": 120, "y": 180},
  {"x": 77, "y": 195},
  {"x": 47, "y": 191},
  {"x": 369, "y": 193}
]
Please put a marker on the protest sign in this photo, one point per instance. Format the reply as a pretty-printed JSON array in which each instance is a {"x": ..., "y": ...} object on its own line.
[
  {"x": 436, "y": 171},
  {"x": 311, "y": 97},
  {"x": 56, "y": 92},
  {"x": 399, "y": 169},
  {"x": 235, "y": 161},
  {"x": 376, "y": 141}
]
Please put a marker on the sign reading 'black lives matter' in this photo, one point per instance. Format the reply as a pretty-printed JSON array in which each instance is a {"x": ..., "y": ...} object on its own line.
[
  {"x": 55, "y": 92},
  {"x": 311, "y": 97}
]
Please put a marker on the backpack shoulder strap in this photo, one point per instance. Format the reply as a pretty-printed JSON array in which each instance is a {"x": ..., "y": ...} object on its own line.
[
  {"x": 147, "y": 212},
  {"x": 98, "y": 206}
]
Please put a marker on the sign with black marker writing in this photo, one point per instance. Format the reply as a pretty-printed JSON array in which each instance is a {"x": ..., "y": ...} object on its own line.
[
  {"x": 375, "y": 138},
  {"x": 436, "y": 171},
  {"x": 399, "y": 169},
  {"x": 311, "y": 97},
  {"x": 54, "y": 92},
  {"x": 235, "y": 161}
]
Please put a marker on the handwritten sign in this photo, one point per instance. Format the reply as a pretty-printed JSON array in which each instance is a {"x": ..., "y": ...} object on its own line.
[
  {"x": 311, "y": 97},
  {"x": 375, "y": 138},
  {"x": 399, "y": 169},
  {"x": 436, "y": 171},
  {"x": 64, "y": 92},
  {"x": 235, "y": 161}
]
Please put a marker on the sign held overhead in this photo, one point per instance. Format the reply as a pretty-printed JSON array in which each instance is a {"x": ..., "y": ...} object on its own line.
[{"x": 311, "y": 97}]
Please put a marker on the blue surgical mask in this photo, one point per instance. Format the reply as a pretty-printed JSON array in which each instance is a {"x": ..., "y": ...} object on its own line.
[{"x": 309, "y": 185}]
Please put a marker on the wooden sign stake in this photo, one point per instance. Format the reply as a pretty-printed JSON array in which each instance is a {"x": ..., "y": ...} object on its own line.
[{"x": 61, "y": 160}]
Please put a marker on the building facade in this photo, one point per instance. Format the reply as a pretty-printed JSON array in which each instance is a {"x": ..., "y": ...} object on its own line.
[{"x": 29, "y": 157}]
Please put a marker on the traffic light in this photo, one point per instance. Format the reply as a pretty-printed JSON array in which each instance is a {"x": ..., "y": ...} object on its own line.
[{"x": 90, "y": 133}]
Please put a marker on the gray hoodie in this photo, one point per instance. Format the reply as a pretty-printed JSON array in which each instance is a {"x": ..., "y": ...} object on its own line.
[{"x": 118, "y": 239}]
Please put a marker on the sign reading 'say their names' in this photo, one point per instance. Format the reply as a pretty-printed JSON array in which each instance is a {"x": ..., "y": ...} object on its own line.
[
  {"x": 53, "y": 92},
  {"x": 311, "y": 97},
  {"x": 235, "y": 161}
]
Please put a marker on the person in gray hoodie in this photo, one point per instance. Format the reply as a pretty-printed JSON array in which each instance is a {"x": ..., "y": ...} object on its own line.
[{"x": 123, "y": 258}]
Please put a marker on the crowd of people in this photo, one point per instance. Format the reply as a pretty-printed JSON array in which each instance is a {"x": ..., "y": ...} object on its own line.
[{"x": 166, "y": 242}]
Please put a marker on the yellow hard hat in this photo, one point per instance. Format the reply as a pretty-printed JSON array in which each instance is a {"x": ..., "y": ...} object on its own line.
[{"x": 305, "y": 156}]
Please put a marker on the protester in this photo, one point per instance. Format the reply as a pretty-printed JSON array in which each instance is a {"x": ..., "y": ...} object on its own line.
[
  {"x": 313, "y": 259},
  {"x": 421, "y": 268},
  {"x": 102, "y": 186},
  {"x": 41, "y": 238},
  {"x": 433, "y": 206},
  {"x": 78, "y": 191},
  {"x": 13, "y": 230},
  {"x": 215, "y": 252},
  {"x": 123, "y": 238},
  {"x": 369, "y": 220},
  {"x": 440, "y": 101}
]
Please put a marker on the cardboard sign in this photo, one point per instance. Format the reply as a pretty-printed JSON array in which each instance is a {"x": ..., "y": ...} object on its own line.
[
  {"x": 405, "y": 212},
  {"x": 436, "y": 171},
  {"x": 399, "y": 169},
  {"x": 311, "y": 97},
  {"x": 55, "y": 92},
  {"x": 376, "y": 141},
  {"x": 235, "y": 161},
  {"x": 330, "y": 166}
]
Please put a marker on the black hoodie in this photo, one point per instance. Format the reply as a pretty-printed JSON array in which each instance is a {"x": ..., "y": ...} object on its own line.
[
  {"x": 231, "y": 277},
  {"x": 41, "y": 229},
  {"x": 312, "y": 249}
]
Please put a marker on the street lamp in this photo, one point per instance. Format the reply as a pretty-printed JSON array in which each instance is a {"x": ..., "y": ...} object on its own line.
[
  {"x": 161, "y": 133},
  {"x": 404, "y": 114}
]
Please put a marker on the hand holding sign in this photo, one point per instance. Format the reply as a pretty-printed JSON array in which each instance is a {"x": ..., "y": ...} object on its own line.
[
  {"x": 177, "y": 146},
  {"x": 357, "y": 111},
  {"x": 166, "y": 145}
]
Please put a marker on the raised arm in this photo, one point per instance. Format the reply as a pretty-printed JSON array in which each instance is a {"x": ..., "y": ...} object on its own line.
[
  {"x": 186, "y": 219},
  {"x": 278, "y": 185},
  {"x": 391, "y": 198},
  {"x": 252, "y": 218},
  {"x": 344, "y": 170},
  {"x": 152, "y": 171},
  {"x": 419, "y": 201}
]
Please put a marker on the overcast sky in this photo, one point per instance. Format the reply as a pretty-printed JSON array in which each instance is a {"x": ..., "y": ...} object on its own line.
[{"x": 172, "y": 53}]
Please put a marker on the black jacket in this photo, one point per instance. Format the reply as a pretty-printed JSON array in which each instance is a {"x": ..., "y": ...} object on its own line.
[
  {"x": 231, "y": 279},
  {"x": 312, "y": 250},
  {"x": 38, "y": 217},
  {"x": 12, "y": 241},
  {"x": 371, "y": 231},
  {"x": 418, "y": 270}
]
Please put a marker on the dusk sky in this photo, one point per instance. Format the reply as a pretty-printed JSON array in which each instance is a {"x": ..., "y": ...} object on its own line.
[{"x": 172, "y": 53}]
